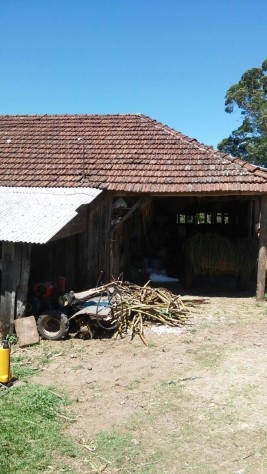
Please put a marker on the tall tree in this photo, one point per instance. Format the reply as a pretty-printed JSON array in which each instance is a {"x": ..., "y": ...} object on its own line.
[{"x": 249, "y": 141}]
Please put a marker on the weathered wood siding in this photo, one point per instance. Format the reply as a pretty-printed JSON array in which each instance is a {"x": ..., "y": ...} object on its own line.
[
  {"x": 14, "y": 283},
  {"x": 98, "y": 240},
  {"x": 79, "y": 258},
  {"x": 55, "y": 259}
]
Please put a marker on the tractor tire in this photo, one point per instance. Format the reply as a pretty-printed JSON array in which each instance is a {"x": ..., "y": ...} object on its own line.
[
  {"x": 33, "y": 306},
  {"x": 53, "y": 325}
]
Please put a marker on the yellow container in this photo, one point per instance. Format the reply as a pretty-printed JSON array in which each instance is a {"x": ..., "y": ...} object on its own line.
[{"x": 5, "y": 375}]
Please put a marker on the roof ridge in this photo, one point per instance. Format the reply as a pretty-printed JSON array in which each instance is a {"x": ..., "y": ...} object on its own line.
[{"x": 71, "y": 115}]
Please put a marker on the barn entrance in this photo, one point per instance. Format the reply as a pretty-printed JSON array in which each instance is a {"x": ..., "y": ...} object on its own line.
[{"x": 158, "y": 237}]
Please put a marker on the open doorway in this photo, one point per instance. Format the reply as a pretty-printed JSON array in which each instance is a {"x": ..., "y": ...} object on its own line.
[{"x": 154, "y": 244}]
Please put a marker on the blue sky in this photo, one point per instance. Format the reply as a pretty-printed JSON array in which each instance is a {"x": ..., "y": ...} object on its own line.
[{"x": 170, "y": 59}]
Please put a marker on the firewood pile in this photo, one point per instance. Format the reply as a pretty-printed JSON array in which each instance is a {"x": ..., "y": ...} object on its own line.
[{"x": 135, "y": 307}]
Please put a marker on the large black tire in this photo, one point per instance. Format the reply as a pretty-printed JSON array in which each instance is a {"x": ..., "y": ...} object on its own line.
[{"x": 53, "y": 325}]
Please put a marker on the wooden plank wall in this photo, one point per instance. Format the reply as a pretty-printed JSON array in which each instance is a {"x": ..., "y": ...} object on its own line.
[
  {"x": 56, "y": 259},
  {"x": 98, "y": 240},
  {"x": 14, "y": 283},
  {"x": 79, "y": 258}
]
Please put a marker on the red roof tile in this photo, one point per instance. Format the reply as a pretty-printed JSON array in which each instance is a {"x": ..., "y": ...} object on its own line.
[{"x": 130, "y": 153}]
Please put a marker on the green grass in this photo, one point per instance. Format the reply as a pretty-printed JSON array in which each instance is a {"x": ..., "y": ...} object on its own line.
[
  {"x": 209, "y": 355},
  {"x": 20, "y": 369},
  {"x": 132, "y": 385},
  {"x": 31, "y": 426},
  {"x": 121, "y": 452}
]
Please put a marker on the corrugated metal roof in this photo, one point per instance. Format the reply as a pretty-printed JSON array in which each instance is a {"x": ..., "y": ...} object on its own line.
[{"x": 35, "y": 215}]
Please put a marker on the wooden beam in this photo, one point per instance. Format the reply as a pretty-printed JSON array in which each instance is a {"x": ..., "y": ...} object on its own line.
[
  {"x": 139, "y": 203},
  {"x": 261, "y": 274}
]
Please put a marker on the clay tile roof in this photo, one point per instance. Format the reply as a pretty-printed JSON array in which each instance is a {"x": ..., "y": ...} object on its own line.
[{"x": 131, "y": 153}]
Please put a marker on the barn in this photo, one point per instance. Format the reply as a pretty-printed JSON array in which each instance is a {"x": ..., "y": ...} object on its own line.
[{"x": 85, "y": 197}]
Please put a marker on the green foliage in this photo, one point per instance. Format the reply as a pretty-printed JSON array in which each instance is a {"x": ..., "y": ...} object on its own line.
[
  {"x": 12, "y": 338},
  {"x": 30, "y": 430},
  {"x": 249, "y": 141}
]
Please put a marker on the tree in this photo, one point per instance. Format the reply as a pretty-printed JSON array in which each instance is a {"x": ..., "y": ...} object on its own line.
[{"x": 249, "y": 141}]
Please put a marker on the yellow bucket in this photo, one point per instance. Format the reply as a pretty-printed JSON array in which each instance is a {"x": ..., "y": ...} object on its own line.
[{"x": 5, "y": 375}]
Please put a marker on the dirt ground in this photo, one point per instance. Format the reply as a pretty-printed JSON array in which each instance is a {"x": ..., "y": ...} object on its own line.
[{"x": 196, "y": 395}]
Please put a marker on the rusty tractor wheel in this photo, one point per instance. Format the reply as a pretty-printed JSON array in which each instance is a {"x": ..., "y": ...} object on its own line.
[{"x": 53, "y": 325}]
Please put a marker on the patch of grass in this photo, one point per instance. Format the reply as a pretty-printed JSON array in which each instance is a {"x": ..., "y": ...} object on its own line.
[
  {"x": 93, "y": 386},
  {"x": 21, "y": 369},
  {"x": 169, "y": 435},
  {"x": 31, "y": 439},
  {"x": 97, "y": 390},
  {"x": 45, "y": 358},
  {"x": 132, "y": 385},
  {"x": 121, "y": 452},
  {"x": 35, "y": 355},
  {"x": 22, "y": 372},
  {"x": 186, "y": 340},
  {"x": 209, "y": 355},
  {"x": 138, "y": 446},
  {"x": 176, "y": 430},
  {"x": 78, "y": 367},
  {"x": 153, "y": 345}
]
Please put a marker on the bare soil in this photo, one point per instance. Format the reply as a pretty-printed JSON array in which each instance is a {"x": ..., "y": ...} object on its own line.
[{"x": 196, "y": 396}]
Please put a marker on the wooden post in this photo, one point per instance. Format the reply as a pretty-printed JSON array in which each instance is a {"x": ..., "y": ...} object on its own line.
[
  {"x": 250, "y": 224},
  {"x": 24, "y": 264},
  {"x": 14, "y": 286},
  {"x": 262, "y": 251},
  {"x": 256, "y": 212},
  {"x": 7, "y": 293}
]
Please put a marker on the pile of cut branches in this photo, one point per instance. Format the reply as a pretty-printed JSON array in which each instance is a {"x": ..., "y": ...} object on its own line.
[
  {"x": 141, "y": 305},
  {"x": 126, "y": 308}
]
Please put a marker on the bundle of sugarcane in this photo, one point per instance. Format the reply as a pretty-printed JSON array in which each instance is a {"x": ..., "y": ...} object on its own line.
[{"x": 140, "y": 305}]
